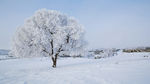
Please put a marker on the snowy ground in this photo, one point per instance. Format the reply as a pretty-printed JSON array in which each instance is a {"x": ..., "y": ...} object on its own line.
[{"x": 126, "y": 68}]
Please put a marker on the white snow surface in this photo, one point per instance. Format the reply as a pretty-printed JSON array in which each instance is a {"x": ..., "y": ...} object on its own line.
[{"x": 125, "y": 68}]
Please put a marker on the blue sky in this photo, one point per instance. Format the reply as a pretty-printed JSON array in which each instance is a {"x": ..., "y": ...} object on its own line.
[{"x": 108, "y": 23}]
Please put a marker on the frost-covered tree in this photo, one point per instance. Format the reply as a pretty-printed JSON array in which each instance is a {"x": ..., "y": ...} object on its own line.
[{"x": 51, "y": 33}]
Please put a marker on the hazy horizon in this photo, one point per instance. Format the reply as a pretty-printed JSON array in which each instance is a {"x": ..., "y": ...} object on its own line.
[{"x": 108, "y": 23}]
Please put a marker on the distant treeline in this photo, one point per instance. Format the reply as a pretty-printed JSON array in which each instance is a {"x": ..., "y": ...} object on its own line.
[
  {"x": 4, "y": 52},
  {"x": 145, "y": 49}
]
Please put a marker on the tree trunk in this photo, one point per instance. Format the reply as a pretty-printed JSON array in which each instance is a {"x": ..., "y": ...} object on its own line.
[
  {"x": 55, "y": 59},
  {"x": 54, "y": 62}
]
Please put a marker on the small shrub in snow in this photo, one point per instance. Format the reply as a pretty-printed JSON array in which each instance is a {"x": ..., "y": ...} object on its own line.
[{"x": 105, "y": 53}]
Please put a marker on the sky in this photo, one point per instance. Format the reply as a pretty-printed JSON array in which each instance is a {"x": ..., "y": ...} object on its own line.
[{"x": 108, "y": 23}]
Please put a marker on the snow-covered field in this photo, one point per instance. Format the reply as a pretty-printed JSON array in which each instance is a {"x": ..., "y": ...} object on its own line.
[{"x": 125, "y": 68}]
